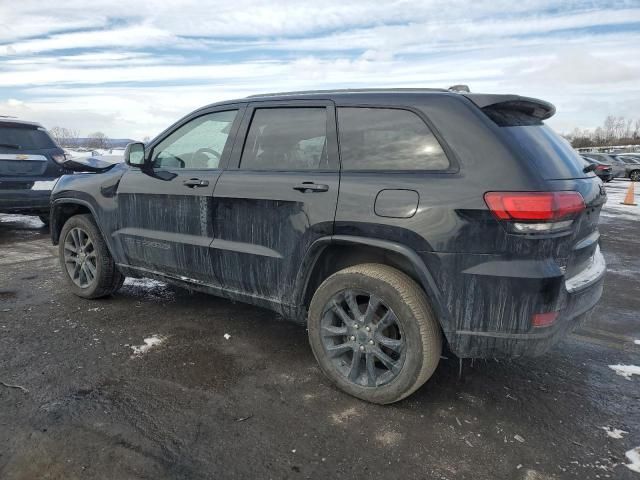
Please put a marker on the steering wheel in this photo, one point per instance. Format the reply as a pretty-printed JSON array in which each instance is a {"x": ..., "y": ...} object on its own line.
[{"x": 208, "y": 150}]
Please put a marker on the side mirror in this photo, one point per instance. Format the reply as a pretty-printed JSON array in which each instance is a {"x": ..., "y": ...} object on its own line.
[{"x": 134, "y": 154}]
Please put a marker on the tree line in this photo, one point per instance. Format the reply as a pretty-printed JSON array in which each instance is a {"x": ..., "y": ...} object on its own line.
[
  {"x": 614, "y": 131},
  {"x": 69, "y": 138}
]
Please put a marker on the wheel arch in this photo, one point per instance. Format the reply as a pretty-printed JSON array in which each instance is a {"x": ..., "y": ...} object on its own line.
[
  {"x": 331, "y": 254},
  {"x": 64, "y": 208}
]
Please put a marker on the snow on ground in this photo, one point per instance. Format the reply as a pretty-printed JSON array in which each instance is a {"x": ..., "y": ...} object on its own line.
[
  {"x": 637, "y": 342},
  {"x": 633, "y": 456},
  {"x": 614, "y": 432},
  {"x": 626, "y": 371},
  {"x": 616, "y": 191},
  {"x": 144, "y": 283},
  {"x": 25, "y": 220},
  {"x": 149, "y": 343}
]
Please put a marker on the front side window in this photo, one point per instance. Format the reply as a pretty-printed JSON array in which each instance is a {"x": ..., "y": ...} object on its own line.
[
  {"x": 387, "y": 139},
  {"x": 197, "y": 144},
  {"x": 286, "y": 139}
]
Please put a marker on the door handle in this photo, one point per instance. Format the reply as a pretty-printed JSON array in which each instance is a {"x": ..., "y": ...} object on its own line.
[
  {"x": 195, "y": 182},
  {"x": 310, "y": 187}
]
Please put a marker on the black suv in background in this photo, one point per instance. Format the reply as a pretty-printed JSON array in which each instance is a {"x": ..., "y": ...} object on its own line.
[
  {"x": 30, "y": 163},
  {"x": 387, "y": 221}
]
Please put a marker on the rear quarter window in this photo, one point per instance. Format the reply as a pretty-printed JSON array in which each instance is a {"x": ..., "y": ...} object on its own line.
[
  {"x": 387, "y": 139},
  {"x": 552, "y": 156},
  {"x": 21, "y": 138}
]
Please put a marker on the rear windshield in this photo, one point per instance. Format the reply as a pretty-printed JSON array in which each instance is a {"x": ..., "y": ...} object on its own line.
[
  {"x": 21, "y": 138},
  {"x": 552, "y": 156}
]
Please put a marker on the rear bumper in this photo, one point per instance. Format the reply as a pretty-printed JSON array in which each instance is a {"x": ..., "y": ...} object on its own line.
[
  {"x": 492, "y": 304},
  {"x": 578, "y": 310},
  {"x": 34, "y": 199}
]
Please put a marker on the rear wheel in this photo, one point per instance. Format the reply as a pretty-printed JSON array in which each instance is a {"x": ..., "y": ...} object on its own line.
[
  {"x": 87, "y": 265},
  {"x": 373, "y": 333},
  {"x": 635, "y": 176}
]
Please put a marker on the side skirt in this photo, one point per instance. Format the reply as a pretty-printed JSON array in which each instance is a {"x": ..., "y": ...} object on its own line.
[{"x": 288, "y": 311}]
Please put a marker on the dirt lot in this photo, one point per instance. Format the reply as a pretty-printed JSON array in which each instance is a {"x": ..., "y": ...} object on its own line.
[{"x": 254, "y": 405}]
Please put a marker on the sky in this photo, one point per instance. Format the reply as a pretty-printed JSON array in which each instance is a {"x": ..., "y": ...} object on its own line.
[{"x": 132, "y": 68}]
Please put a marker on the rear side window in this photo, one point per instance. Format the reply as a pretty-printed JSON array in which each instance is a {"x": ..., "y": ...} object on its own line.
[
  {"x": 387, "y": 139},
  {"x": 286, "y": 139},
  {"x": 21, "y": 138},
  {"x": 552, "y": 155}
]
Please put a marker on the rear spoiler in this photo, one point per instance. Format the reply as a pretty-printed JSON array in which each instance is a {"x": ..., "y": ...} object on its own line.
[{"x": 531, "y": 107}]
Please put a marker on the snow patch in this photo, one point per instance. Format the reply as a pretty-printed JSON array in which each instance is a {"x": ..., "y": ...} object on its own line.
[
  {"x": 614, "y": 208},
  {"x": 637, "y": 342},
  {"x": 226, "y": 336},
  {"x": 149, "y": 343},
  {"x": 614, "y": 432},
  {"x": 626, "y": 371},
  {"x": 634, "y": 457},
  {"x": 389, "y": 438},
  {"x": 144, "y": 283}
]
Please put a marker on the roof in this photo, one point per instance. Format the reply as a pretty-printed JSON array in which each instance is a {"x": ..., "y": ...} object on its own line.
[
  {"x": 5, "y": 119},
  {"x": 532, "y": 106}
]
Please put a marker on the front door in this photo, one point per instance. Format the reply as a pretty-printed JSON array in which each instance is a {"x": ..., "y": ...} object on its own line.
[
  {"x": 277, "y": 196},
  {"x": 165, "y": 211}
]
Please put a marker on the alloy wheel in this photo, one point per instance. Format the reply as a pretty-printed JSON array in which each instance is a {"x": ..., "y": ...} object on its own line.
[
  {"x": 363, "y": 338},
  {"x": 80, "y": 257}
]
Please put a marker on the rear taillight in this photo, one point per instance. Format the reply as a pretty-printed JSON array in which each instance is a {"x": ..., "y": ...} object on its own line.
[
  {"x": 544, "y": 319},
  {"x": 602, "y": 167},
  {"x": 535, "y": 212},
  {"x": 59, "y": 158}
]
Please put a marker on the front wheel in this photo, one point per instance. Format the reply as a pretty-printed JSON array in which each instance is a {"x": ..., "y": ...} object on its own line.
[
  {"x": 86, "y": 263},
  {"x": 373, "y": 333}
]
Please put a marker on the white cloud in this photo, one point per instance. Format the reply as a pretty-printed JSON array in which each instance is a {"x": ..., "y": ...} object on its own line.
[{"x": 130, "y": 68}]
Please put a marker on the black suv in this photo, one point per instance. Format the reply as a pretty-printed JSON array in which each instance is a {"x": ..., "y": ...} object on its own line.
[
  {"x": 387, "y": 221},
  {"x": 30, "y": 163}
]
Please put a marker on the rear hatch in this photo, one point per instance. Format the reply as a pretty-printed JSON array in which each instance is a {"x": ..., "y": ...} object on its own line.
[
  {"x": 27, "y": 153},
  {"x": 559, "y": 167}
]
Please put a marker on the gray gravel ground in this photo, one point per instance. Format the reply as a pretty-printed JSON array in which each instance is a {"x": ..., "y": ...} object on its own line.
[{"x": 255, "y": 405}]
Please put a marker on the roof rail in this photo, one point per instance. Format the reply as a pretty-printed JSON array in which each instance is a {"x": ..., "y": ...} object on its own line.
[{"x": 348, "y": 90}]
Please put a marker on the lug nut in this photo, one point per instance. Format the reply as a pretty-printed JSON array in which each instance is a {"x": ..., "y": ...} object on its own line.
[
  {"x": 370, "y": 342},
  {"x": 357, "y": 326},
  {"x": 352, "y": 338},
  {"x": 367, "y": 329},
  {"x": 361, "y": 348}
]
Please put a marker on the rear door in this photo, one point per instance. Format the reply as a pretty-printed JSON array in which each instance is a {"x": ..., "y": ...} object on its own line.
[
  {"x": 277, "y": 197},
  {"x": 165, "y": 211}
]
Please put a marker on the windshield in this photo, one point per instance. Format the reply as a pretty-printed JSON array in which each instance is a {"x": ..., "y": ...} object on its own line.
[{"x": 21, "y": 138}]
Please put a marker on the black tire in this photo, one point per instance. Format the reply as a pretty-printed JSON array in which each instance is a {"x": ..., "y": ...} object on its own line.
[
  {"x": 44, "y": 219},
  {"x": 414, "y": 317},
  {"x": 107, "y": 278},
  {"x": 635, "y": 176}
]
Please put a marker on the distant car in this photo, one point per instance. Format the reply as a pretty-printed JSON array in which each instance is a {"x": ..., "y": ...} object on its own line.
[
  {"x": 602, "y": 170},
  {"x": 617, "y": 166},
  {"x": 631, "y": 165},
  {"x": 30, "y": 165}
]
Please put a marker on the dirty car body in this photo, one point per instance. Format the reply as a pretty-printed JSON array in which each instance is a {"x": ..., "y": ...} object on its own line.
[{"x": 481, "y": 206}]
